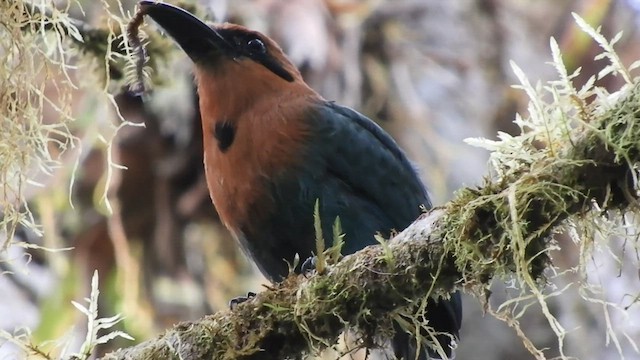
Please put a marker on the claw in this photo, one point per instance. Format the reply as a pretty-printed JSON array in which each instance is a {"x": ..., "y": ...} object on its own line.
[
  {"x": 308, "y": 265},
  {"x": 233, "y": 303}
]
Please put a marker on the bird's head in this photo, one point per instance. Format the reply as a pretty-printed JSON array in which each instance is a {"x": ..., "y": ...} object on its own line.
[
  {"x": 225, "y": 48},
  {"x": 238, "y": 71}
]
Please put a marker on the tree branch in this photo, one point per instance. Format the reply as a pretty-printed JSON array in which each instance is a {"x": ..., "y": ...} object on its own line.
[{"x": 501, "y": 227}]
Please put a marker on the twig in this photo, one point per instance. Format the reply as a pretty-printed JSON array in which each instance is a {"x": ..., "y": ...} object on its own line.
[{"x": 137, "y": 88}]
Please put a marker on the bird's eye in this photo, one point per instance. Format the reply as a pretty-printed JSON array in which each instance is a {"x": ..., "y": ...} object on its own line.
[{"x": 256, "y": 46}]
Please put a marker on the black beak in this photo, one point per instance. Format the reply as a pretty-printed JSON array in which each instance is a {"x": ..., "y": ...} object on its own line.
[{"x": 195, "y": 37}]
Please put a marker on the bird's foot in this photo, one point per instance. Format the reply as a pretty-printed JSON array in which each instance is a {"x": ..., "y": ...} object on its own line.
[
  {"x": 308, "y": 265},
  {"x": 233, "y": 303}
]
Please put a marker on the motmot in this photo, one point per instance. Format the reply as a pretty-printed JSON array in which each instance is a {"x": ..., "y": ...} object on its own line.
[{"x": 273, "y": 147}]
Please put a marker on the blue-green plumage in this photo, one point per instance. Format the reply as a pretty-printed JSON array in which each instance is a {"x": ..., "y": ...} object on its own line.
[{"x": 357, "y": 172}]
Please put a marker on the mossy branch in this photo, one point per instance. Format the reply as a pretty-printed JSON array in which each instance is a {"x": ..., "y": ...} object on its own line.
[{"x": 499, "y": 228}]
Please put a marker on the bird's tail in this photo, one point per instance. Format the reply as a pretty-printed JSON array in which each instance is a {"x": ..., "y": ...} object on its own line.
[{"x": 445, "y": 317}]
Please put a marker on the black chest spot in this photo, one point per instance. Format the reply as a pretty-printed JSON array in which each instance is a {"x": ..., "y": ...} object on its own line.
[{"x": 224, "y": 134}]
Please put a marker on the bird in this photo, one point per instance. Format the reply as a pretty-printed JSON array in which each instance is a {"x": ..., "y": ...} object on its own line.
[{"x": 273, "y": 147}]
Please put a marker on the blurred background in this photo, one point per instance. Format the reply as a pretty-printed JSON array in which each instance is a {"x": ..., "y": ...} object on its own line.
[{"x": 431, "y": 72}]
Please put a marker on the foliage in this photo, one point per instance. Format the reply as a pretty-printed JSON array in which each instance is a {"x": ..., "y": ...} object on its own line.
[{"x": 551, "y": 141}]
